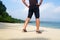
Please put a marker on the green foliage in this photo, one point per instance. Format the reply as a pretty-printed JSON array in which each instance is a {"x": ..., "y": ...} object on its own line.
[
  {"x": 5, "y": 17},
  {"x": 2, "y": 8}
]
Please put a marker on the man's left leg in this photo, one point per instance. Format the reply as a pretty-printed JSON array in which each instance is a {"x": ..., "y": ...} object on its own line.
[
  {"x": 26, "y": 22},
  {"x": 30, "y": 13}
]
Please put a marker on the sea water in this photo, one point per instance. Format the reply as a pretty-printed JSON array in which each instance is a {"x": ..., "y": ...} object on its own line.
[{"x": 48, "y": 24}]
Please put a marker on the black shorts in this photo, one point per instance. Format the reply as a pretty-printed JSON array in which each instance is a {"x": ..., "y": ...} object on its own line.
[{"x": 35, "y": 10}]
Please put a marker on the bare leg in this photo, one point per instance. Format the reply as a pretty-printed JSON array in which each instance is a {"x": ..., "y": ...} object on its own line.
[
  {"x": 37, "y": 24},
  {"x": 26, "y": 22}
]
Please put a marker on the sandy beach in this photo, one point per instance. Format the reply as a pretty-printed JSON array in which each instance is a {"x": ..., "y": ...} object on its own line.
[{"x": 13, "y": 31}]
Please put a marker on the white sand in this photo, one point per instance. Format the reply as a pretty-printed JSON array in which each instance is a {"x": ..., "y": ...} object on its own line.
[{"x": 13, "y": 31}]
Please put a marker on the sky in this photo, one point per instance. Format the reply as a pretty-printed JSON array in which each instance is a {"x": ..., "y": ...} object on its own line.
[{"x": 49, "y": 10}]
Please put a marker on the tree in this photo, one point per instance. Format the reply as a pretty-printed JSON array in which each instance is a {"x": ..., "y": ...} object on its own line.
[
  {"x": 5, "y": 17},
  {"x": 2, "y": 8}
]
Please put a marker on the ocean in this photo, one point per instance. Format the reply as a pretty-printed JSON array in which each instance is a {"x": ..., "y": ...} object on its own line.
[{"x": 48, "y": 24}]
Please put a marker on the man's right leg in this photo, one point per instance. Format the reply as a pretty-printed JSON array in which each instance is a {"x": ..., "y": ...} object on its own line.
[
  {"x": 37, "y": 16},
  {"x": 37, "y": 24}
]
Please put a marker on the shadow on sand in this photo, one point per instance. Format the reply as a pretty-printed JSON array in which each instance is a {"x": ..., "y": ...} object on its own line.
[
  {"x": 40, "y": 30},
  {"x": 32, "y": 39}
]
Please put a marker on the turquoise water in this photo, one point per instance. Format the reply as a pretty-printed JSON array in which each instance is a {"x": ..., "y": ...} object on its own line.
[{"x": 48, "y": 24}]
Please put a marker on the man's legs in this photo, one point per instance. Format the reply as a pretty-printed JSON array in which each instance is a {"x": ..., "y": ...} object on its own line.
[
  {"x": 30, "y": 13},
  {"x": 37, "y": 24},
  {"x": 26, "y": 22},
  {"x": 37, "y": 16}
]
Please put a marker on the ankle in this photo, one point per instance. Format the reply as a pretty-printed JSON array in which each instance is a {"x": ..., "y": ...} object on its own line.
[
  {"x": 37, "y": 30},
  {"x": 24, "y": 29}
]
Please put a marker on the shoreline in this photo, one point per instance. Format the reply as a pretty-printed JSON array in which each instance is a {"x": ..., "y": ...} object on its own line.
[
  {"x": 13, "y": 31},
  {"x": 32, "y": 25}
]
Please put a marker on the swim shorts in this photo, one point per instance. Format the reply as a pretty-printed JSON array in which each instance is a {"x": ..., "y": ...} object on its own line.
[{"x": 35, "y": 10}]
